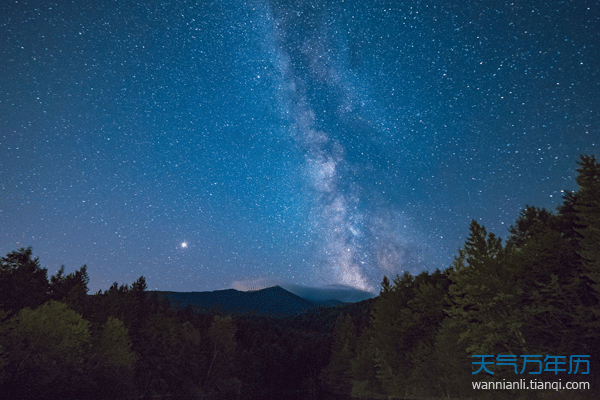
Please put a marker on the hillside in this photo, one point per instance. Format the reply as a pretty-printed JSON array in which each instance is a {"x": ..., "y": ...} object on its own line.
[{"x": 271, "y": 302}]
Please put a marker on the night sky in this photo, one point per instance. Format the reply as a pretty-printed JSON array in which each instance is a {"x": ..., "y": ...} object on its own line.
[{"x": 216, "y": 144}]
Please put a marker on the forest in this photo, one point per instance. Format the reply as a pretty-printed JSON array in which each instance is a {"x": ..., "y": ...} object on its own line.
[{"x": 523, "y": 308}]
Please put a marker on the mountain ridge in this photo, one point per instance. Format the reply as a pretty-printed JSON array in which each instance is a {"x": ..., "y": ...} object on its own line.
[{"x": 273, "y": 301}]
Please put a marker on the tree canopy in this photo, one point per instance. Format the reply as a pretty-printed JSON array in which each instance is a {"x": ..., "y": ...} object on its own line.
[{"x": 537, "y": 293}]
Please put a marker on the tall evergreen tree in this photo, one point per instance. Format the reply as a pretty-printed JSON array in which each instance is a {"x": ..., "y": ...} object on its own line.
[
  {"x": 401, "y": 337},
  {"x": 71, "y": 289},
  {"x": 544, "y": 268},
  {"x": 23, "y": 283},
  {"x": 585, "y": 206},
  {"x": 531, "y": 222},
  {"x": 482, "y": 295}
]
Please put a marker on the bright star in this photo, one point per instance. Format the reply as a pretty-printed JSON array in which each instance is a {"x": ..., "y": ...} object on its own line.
[{"x": 184, "y": 245}]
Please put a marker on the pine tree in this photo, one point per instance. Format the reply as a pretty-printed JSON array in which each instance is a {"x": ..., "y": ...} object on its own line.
[
  {"x": 585, "y": 209},
  {"x": 404, "y": 320},
  {"x": 71, "y": 289},
  {"x": 483, "y": 295}
]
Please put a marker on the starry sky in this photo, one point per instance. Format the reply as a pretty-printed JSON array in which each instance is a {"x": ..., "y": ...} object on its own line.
[{"x": 216, "y": 144}]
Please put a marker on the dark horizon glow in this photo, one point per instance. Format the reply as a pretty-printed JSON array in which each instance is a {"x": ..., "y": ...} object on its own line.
[{"x": 210, "y": 145}]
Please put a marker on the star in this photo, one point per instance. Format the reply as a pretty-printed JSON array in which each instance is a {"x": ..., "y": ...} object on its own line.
[{"x": 357, "y": 144}]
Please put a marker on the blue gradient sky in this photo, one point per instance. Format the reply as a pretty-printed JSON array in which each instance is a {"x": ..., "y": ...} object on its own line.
[{"x": 307, "y": 142}]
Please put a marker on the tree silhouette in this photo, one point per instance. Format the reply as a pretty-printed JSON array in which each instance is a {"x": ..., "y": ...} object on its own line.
[{"x": 23, "y": 283}]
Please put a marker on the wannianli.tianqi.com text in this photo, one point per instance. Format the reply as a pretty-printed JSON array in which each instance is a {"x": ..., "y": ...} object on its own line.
[{"x": 532, "y": 384}]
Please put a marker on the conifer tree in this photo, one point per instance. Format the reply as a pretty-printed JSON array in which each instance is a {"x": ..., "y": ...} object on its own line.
[
  {"x": 71, "y": 289},
  {"x": 23, "y": 283},
  {"x": 483, "y": 295},
  {"x": 587, "y": 210}
]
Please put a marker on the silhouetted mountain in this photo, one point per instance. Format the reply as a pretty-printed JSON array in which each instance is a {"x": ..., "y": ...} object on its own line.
[
  {"x": 332, "y": 294},
  {"x": 273, "y": 302}
]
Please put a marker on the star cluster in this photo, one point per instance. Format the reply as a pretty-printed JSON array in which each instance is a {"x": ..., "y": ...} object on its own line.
[{"x": 205, "y": 144}]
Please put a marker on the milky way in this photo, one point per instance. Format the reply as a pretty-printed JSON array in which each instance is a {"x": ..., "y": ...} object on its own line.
[
  {"x": 306, "y": 142},
  {"x": 356, "y": 245}
]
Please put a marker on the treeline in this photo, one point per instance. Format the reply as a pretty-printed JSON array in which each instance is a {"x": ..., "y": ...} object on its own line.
[
  {"x": 536, "y": 294},
  {"x": 58, "y": 342}
]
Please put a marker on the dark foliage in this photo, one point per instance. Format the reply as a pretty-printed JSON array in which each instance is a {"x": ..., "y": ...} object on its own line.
[
  {"x": 23, "y": 283},
  {"x": 537, "y": 294}
]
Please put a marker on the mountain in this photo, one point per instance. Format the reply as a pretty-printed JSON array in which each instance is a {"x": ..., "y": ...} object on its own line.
[
  {"x": 272, "y": 302},
  {"x": 330, "y": 295}
]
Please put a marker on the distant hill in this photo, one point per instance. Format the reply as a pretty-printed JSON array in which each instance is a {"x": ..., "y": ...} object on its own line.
[
  {"x": 331, "y": 294},
  {"x": 270, "y": 302}
]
